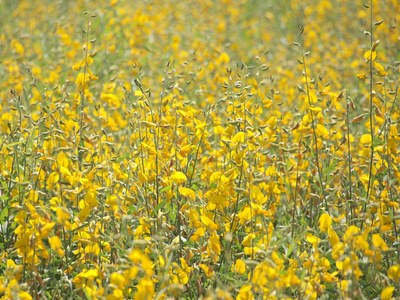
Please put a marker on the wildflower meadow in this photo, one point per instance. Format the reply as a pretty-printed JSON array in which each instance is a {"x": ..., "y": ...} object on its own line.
[{"x": 199, "y": 149}]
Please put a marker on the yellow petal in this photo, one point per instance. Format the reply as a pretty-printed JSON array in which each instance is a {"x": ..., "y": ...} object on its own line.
[
  {"x": 55, "y": 242},
  {"x": 367, "y": 55},
  {"x": 325, "y": 222},
  {"x": 178, "y": 177},
  {"x": 240, "y": 266},
  {"x": 239, "y": 137},
  {"x": 387, "y": 293},
  {"x": 366, "y": 139}
]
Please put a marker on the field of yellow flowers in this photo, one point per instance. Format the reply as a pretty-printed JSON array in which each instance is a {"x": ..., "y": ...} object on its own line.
[{"x": 213, "y": 149}]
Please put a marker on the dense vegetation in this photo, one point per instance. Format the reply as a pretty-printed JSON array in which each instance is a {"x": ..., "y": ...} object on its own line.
[{"x": 223, "y": 149}]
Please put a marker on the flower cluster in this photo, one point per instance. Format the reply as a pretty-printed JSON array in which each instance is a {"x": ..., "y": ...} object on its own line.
[{"x": 199, "y": 150}]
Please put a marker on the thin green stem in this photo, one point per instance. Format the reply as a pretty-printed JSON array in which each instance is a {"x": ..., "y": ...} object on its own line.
[
  {"x": 371, "y": 117},
  {"x": 349, "y": 159},
  {"x": 314, "y": 133}
]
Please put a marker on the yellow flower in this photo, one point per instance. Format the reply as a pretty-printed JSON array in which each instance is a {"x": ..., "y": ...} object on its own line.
[
  {"x": 387, "y": 293},
  {"x": 239, "y": 267},
  {"x": 55, "y": 244},
  {"x": 178, "y": 177},
  {"x": 325, "y": 222}
]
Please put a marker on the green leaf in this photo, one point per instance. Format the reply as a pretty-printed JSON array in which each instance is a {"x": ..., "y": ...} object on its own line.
[
  {"x": 160, "y": 205},
  {"x": 377, "y": 142},
  {"x": 131, "y": 209},
  {"x": 290, "y": 250},
  {"x": 331, "y": 168},
  {"x": 171, "y": 212},
  {"x": 165, "y": 189},
  {"x": 3, "y": 214},
  {"x": 13, "y": 144}
]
